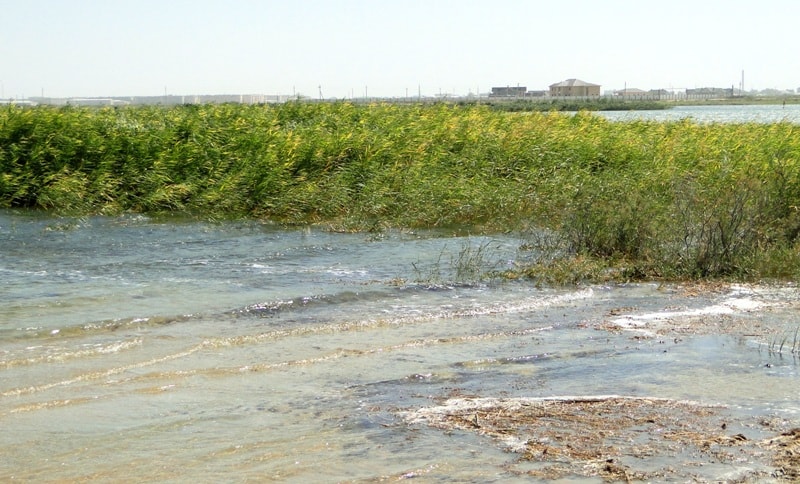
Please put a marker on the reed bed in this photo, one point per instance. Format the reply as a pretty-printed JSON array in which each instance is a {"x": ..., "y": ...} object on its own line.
[
  {"x": 599, "y": 104},
  {"x": 645, "y": 199}
]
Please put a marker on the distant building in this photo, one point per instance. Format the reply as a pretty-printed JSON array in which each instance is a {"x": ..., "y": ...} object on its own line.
[
  {"x": 96, "y": 101},
  {"x": 536, "y": 94},
  {"x": 167, "y": 100},
  {"x": 710, "y": 91},
  {"x": 518, "y": 91},
  {"x": 574, "y": 87},
  {"x": 18, "y": 102},
  {"x": 630, "y": 92}
]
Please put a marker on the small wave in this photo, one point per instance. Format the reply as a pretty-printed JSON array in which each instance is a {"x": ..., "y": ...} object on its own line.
[
  {"x": 332, "y": 356},
  {"x": 258, "y": 339},
  {"x": 50, "y": 404},
  {"x": 92, "y": 328},
  {"x": 103, "y": 374},
  {"x": 22, "y": 272},
  {"x": 62, "y": 356},
  {"x": 271, "y": 308},
  {"x": 528, "y": 304},
  {"x": 347, "y": 272}
]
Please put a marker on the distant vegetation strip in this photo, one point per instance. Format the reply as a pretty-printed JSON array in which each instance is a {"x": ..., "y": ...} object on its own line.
[
  {"x": 572, "y": 105},
  {"x": 636, "y": 199},
  {"x": 744, "y": 101}
]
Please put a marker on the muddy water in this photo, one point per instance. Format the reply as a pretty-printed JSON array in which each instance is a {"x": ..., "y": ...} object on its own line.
[{"x": 142, "y": 349}]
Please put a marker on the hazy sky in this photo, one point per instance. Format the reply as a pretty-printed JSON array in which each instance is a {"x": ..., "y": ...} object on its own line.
[{"x": 387, "y": 48}]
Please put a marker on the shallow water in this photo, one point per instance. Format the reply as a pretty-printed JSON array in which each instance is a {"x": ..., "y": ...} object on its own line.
[{"x": 147, "y": 349}]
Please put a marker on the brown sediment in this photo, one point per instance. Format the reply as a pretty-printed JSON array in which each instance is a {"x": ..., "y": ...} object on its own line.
[
  {"x": 620, "y": 438},
  {"x": 786, "y": 448}
]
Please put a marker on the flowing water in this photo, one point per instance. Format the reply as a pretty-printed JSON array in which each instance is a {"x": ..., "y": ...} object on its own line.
[{"x": 143, "y": 349}]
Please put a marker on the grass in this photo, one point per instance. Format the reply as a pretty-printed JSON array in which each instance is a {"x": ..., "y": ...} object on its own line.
[{"x": 621, "y": 200}]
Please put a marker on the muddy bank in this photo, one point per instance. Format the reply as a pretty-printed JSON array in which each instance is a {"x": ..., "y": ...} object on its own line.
[
  {"x": 622, "y": 438},
  {"x": 625, "y": 438}
]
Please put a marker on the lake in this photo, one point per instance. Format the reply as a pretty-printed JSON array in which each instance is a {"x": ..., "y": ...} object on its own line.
[
  {"x": 146, "y": 349},
  {"x": 767, "y": 113}
]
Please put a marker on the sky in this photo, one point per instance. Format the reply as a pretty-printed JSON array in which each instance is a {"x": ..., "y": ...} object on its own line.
[{"x": 390, "y": 48}]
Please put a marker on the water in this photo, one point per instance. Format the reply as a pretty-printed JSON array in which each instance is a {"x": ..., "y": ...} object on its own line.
[
  {"x": 770, "y": 113},
  {"x": 169, "y": 350}
]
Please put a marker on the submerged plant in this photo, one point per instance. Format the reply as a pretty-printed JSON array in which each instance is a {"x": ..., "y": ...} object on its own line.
[
  {"x": 788, "y": 343},
  {"x": 473, "y": 263}
]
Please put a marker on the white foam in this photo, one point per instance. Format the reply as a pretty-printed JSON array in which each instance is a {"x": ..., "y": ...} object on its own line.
[{"x": 739, "y": 300}]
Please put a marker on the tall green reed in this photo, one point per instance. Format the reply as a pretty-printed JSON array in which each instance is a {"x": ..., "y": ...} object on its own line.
[{"x": 671, "y": 199}]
